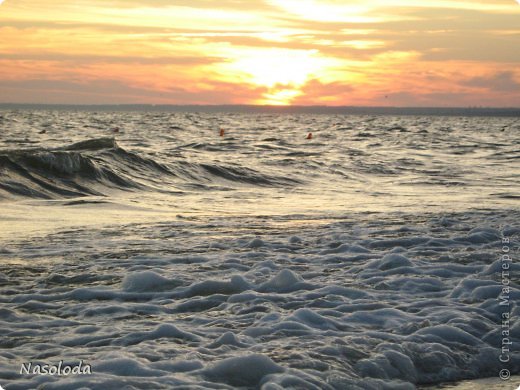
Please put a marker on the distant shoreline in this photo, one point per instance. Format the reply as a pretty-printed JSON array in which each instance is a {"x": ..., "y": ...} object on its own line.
[{"x": 256, "y": 109}]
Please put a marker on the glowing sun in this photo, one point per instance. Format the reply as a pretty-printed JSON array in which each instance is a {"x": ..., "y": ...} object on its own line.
[{"x": 282, "y": 72}]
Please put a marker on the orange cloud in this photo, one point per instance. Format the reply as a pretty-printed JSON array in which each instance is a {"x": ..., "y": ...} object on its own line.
[{"x": 266, "y": 52}]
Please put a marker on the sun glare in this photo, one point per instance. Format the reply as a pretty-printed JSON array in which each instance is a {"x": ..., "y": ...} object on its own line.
[
  {"x": 283, "y": 72},
  {"x": 281, "y": 97},
  {"x": 270, "y": 67}
]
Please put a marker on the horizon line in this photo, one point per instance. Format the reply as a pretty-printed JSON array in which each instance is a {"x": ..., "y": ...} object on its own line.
[
  {"x": 257, "y": 108},
  {"x": 253, "y": 105}
]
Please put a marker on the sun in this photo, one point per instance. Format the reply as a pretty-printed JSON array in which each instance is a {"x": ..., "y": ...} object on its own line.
[
  {"x": 283, "y": 72},
  {"x": 279, "y": 97},
  {"x": 271, "y": 67}
]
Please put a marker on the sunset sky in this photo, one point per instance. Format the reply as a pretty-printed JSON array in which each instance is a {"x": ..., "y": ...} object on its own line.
[{"x": 304, "y": 52}]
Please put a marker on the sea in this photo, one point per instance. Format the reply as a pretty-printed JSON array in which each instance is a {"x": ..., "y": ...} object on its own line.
[{"x": 236, "y": 250}]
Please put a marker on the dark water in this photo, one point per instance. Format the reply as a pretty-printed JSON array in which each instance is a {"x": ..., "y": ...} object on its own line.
[
  {"x": 355, "y": 162},
  {"x": 166, "y": 256}
]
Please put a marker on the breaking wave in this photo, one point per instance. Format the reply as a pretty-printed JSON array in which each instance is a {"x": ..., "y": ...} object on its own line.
[{"x": 96, "y": 166}]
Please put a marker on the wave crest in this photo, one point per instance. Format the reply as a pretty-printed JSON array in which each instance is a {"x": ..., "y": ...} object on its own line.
[{"x": 96, "y": 166}]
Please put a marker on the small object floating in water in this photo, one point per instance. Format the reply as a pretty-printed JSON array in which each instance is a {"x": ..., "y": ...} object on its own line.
[
  {"x": 309, "y": 136},
  {"x": 42, "y": 132},
  {"x": 222, "y": 132},
  {"x": 115, "y": 130}
]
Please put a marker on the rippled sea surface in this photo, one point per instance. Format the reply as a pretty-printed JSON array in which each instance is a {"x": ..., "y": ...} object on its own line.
[{"x": 167, "y": 256}]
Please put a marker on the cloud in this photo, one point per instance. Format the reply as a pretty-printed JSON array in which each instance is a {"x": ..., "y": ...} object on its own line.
[
  {"x": 440, "y": 51},
  {"x": 499, "y": 82},
  {"x": 316, "y": 92},
  {"x": 109, "y": 91}
]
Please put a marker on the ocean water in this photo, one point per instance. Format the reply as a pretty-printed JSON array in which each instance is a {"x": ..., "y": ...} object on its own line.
[{"x": 165, "y": 256}]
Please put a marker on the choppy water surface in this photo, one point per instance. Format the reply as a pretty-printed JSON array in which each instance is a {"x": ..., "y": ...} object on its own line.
[{"x": 167, "y": 256}]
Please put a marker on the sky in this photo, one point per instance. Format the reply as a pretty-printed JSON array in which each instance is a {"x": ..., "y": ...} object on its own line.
[{"x": 276, "y": 52}]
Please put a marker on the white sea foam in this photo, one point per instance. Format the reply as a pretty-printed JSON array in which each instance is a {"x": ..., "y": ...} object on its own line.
[{"x": 396, "y": 317}]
